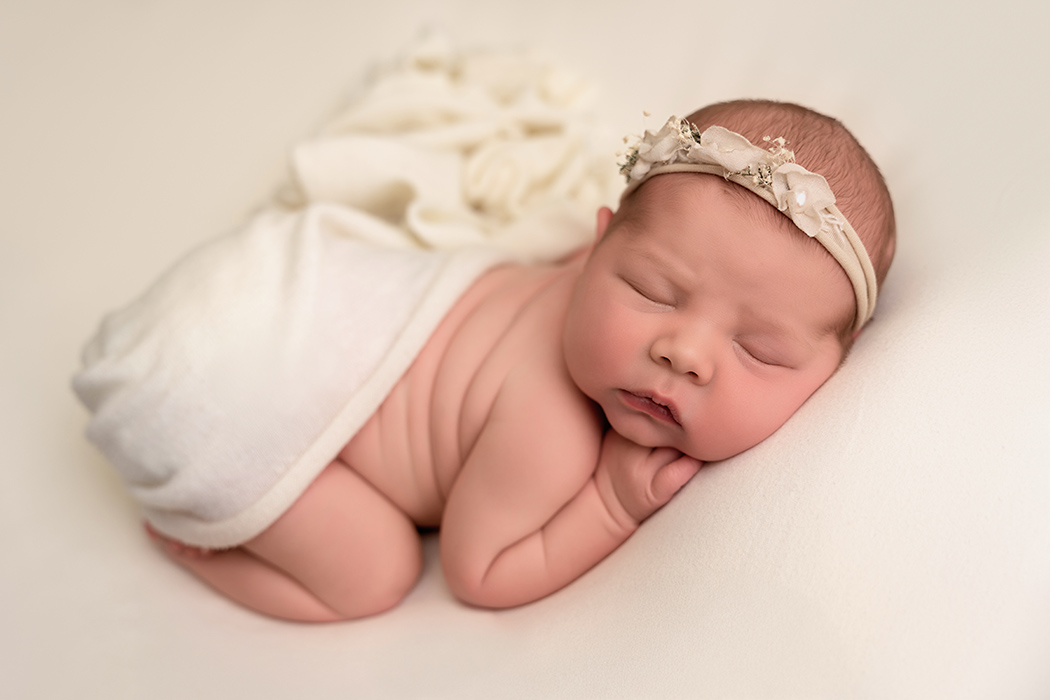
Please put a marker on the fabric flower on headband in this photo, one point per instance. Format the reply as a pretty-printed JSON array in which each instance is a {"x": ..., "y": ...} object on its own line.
[
  {"x": 803, "y": 196},
  {"x": 791, "y": 188}
]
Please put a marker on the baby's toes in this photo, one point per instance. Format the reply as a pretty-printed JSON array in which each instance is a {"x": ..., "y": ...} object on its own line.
[{"x": 174, "y": 547}]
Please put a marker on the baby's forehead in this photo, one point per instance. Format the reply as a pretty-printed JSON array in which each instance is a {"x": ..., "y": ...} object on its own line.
[{"x": 697, "y": 189}]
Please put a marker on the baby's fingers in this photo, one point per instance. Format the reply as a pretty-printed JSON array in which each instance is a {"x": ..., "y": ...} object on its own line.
[{"x": 671, "y": 477}]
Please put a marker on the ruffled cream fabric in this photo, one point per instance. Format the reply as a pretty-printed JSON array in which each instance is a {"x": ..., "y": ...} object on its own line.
[{"x": 460, "y": 148}]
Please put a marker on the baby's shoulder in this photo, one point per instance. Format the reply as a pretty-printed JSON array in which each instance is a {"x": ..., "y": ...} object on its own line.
[{"x": 537, "y": 397}]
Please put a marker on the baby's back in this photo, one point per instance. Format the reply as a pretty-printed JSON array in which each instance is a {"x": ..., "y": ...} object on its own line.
[{"x": 413, "y": 447}]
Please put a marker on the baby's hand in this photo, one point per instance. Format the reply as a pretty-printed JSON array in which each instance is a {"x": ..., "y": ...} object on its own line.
[{"x": 635, "y": 481}]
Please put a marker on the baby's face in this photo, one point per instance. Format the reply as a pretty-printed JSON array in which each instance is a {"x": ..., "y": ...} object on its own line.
[{"x": 701, "y": 322}]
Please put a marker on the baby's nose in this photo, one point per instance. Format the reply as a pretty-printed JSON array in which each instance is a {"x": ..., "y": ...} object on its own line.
[{"x": 690, "y": 355}]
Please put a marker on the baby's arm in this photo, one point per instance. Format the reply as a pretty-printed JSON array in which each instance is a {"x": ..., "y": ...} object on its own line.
[{"x": 543, "y": 498}]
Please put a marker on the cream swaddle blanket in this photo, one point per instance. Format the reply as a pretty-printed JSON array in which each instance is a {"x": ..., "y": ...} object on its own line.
[{"x": 223, "y": 391}]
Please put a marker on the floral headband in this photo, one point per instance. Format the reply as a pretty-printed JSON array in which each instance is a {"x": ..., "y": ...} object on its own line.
[{"x": 772, "y": 174}]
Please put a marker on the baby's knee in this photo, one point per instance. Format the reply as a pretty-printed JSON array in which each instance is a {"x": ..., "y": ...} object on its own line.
[
  {"x": 395, "y": 583},
  {"x": 380, "y": 587}
]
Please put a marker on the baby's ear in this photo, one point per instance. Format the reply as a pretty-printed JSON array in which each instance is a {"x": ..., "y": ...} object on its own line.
[{"x": 605, "y": 215}]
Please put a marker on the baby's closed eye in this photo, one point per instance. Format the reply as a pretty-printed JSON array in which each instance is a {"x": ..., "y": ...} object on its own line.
[
  {"x": 769, "y": 352},
  {"x": 650, "y": 292},
  {"x": 756, "y": 352}
]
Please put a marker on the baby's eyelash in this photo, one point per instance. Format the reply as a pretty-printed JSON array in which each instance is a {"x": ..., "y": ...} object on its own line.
[
  {"x": 638, "y": 289},
  {"x": 761, "y": 359},
  {"x": 649, "y": 296}
]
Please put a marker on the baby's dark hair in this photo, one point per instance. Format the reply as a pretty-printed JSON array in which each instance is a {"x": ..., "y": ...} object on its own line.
[{"x": 821, "y": 145}]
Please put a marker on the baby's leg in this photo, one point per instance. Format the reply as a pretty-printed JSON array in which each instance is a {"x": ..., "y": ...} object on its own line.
[
  {"x": 242, "y": 577},
  {"x": 342, "y": 551}
]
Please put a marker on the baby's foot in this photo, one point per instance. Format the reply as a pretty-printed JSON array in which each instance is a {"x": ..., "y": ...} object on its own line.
[{"x": 174, "y": 547}]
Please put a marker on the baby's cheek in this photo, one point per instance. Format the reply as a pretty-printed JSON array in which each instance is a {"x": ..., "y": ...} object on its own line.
[
  {"x": 747, "y": 419},
  {"x": 592, "y": 340},
  {"x": 581, "y": 358}
]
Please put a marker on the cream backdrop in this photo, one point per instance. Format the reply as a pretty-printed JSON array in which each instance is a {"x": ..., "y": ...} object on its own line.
[{"x": 893, "y": 541}]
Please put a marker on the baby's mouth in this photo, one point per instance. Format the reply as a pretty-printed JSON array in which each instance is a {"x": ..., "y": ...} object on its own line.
[{"x": 656, "y": 406}]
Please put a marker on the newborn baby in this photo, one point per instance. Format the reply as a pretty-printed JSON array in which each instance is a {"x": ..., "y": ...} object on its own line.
[{"x": 555, "y": 407}]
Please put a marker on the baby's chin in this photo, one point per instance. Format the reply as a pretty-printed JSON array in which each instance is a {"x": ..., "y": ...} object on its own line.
[
  {"x": 646, "y": 437},
  {"x": 706, "y": 451},
  {"x": 653, "y": 437},
  {"x": 722, "y": 452},
  {"x": 726, "y": 442}
]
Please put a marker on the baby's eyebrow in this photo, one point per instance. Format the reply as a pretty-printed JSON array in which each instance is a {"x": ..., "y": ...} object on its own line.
[
  {"x": 636, "y": 248},
  {"x": 661, "y": 263},
  {"x": 805, "y": 336}
]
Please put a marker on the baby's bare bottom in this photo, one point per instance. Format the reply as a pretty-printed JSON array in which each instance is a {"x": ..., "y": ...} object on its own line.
[{"x": 342, "y": 551}]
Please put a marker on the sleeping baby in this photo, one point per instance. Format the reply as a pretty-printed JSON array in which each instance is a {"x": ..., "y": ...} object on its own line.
[{"x": 287, "y": 453}]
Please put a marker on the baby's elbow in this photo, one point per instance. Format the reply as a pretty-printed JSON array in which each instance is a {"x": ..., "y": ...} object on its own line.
[
  {"x": 472, "y": 585},
  {"x": 482, "y": 596},
  {"x": 467, "y": 583}
]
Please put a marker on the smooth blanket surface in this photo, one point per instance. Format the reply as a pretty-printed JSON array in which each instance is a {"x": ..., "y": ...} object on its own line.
[
  {"x": 223, "y": 391},
  {"x": 891, "y": 542}
]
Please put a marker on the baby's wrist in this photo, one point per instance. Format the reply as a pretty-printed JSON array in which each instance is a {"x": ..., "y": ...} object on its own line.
[{"x": 622, "y": 520}]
